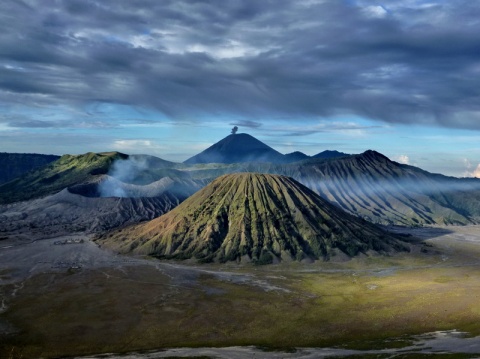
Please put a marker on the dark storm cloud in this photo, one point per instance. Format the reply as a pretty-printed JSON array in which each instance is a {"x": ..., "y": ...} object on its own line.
[{"x": 395, "y": 61}]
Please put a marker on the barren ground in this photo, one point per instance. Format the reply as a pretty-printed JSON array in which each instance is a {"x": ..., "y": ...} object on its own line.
[{"x": 78, "y": 299}]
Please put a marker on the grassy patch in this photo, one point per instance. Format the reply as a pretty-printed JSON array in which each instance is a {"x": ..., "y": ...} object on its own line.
[{"x": 139, "y": 308}]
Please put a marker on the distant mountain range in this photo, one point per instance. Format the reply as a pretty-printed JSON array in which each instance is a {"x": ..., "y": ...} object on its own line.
[
  {"x": 241, "y": 148},
  {"x": 239, "y": 200},
  {"x": 253, "y": 217},
  {"x": 330, "y": 154},
  {"x": 367, "y": 185}
]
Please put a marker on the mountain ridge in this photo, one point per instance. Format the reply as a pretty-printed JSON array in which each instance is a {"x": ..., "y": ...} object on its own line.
[
  {"x": 367, "y": 185},
  {"x": 327, "y": 154},
  {"x": 13, "y": 165},
  {"x": 373, "y": 187},
  {"x": 57, "y": 175},
  {"x": 251, "y": 216}
]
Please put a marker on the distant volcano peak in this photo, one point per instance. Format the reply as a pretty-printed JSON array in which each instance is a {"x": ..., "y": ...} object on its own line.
[{"x": 235, "y": 148}]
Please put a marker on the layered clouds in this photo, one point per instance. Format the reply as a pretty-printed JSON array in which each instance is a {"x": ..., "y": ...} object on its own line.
[{"x": 392, "y": 61}]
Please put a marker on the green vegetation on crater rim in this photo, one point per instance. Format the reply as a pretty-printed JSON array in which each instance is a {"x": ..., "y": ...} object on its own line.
[{"x": 68, "y": 170}]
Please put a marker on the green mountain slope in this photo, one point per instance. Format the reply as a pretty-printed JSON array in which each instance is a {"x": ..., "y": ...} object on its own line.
[
  {"x": 255, "y": 217},
  {"x": 66, "y": 171},
  {"x": 13, "y": 165},
  {"x": 101, "y": 175}
]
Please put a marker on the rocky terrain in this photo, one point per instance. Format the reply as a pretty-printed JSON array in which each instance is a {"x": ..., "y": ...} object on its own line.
[{"x": 66, "y": 212}]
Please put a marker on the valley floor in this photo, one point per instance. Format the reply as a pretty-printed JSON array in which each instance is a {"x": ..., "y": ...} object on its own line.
[{"x": 65, "y": 296}]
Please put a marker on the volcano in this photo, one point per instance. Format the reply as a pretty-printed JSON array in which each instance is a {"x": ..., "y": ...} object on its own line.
[
  {"x": 237, "y": 148},
  {"x": 254, "y": 217}
]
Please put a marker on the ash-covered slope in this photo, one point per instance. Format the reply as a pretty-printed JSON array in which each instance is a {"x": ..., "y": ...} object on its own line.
[
  {"x": 66, "y": 212},
  {"x": 255, "y": 217},
  {"x": 237, "y": 148}
]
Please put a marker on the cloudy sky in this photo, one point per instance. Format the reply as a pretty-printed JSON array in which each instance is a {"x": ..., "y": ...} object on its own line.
[{"x": 171, "y": 77}]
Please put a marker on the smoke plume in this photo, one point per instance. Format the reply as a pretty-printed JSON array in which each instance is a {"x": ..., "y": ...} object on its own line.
[{"x": 122, "y": 171}]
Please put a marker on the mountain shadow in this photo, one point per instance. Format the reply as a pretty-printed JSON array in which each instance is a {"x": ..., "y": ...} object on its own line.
[{"x": 13, "y": 165}]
